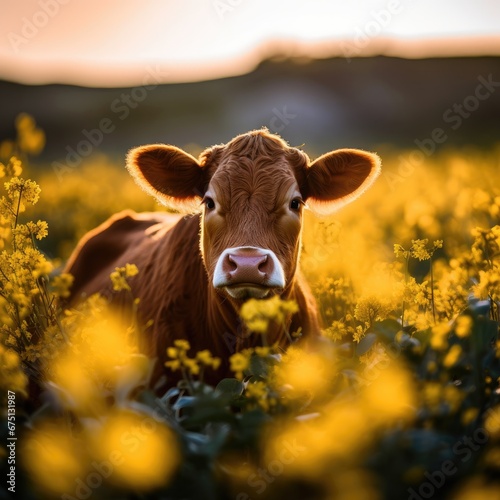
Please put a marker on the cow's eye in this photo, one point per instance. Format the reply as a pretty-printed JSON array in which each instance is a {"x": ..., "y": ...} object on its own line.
[
  {"x": 295, "y": 204},
  {"x": 209, "y": 203}
]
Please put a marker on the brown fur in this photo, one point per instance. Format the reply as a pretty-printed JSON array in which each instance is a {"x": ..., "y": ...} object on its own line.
[{"x": 251, "y": 180}]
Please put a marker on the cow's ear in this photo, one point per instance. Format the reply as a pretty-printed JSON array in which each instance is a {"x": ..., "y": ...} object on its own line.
[
  {"x": 339, "y": 177},
  {"x": 171, "y": 175}
]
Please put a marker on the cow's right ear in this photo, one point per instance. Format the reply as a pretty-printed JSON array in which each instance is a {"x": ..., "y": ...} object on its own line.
[
  {"x": 339, "y": 177},
  {"x": 171, "y": 175}
]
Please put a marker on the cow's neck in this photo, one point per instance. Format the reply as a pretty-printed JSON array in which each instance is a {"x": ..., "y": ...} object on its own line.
[{"x": 232, "y": 334}]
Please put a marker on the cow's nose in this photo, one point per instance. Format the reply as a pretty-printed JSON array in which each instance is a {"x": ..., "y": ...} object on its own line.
[{"x": 247, "y": 265}]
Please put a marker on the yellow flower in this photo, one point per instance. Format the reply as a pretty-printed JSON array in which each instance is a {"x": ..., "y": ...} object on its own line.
[
  {"x": 453, "y": 396},
  {"x": 192, "y": 366},
  {"x": 119, "y": 277},
  {"x": 206, "y": 358},
  {"x": 26, "y": 188},
  {"x": 372, "y": 307},
  {"x": 359, "y": 333},
  {"x": 130, "y": 270},
  {"x": 262, "y": 351},
  {"x": 306, "y": 371},
  {"x": 469, "y": 415},
  {"x": 258, "y": 313},
  {"x": 463, "y": 326},
  {"x": 432, "y": 393},
  {"x": 257, "y": 391},
  {"x": 30, "y": 138},
  {"x": 489, "y": 284},
  {"x": 182, "y": 344},
  {"x": 452, "y": 356},
  {"x": 61, "y": 284},
  {"x": 181, "y": 360},
  {"x": 238, "y": 363},
  {"x": 52, "y": 448},
  {"x": 173, "y": 365},
  {"x": 439, "y": 338},
  {"x": 13, "y": 377},
  {"x": 172, "y": 352},
  {"x": 492, "y": 421},
  {"x": 418, "y": 249},
  {"x": 149, "y": 451},
  {"x": 391, "y": 395},
  {"x": 399, "y": 251},
  {"x": 336, "y": 331}
]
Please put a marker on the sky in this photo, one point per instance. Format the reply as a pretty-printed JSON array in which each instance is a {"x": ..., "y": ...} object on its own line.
[{"x": 107, "y": 43}]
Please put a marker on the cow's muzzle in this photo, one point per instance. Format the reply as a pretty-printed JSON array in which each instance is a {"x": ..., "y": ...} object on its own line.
[{"x": 246, "y": 272}]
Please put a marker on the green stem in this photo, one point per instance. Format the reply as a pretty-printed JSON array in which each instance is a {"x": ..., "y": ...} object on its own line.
[
  {"x": 432, "y": 294},
  {"x": 187, "y": 378},
  {"x": 17, "y": 216},
  {"x": 404, "y": 291}
]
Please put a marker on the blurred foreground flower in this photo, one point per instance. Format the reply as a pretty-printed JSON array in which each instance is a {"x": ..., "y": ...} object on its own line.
[
  {"x": 54, "y": 458},
  {"x": 144, "y": 452},
  {"x": 119, "y": 277},
  {"x": 306, "y": 371},
  {"x": 344, "y": 428},
  {"x": 257, "y": 314}
]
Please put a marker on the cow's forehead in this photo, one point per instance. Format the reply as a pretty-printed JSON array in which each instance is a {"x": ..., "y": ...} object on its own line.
[
  {"x": 253, "y": 173},
  {"x": 266, "y": 181}
]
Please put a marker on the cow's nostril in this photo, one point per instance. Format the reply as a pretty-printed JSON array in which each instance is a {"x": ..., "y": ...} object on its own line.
[
  {"x": 231, "y": 264},
  {"x": 263, "y": 264}
]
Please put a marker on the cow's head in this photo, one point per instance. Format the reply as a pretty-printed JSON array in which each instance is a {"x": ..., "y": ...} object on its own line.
[{"x": 252, "y": 192}]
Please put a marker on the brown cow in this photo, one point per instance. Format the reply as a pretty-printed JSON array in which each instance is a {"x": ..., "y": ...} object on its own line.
[{"x": 242, "y": 239}]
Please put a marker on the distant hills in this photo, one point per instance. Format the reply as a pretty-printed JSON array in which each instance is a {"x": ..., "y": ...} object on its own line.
[{"x": 323, "y": 104}]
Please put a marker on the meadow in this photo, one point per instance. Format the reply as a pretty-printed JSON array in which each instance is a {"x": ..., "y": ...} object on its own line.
[{"x": 399, "y": 399}]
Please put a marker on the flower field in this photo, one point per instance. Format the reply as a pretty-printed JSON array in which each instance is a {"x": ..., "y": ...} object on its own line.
[{"x": 399, "y": 399}]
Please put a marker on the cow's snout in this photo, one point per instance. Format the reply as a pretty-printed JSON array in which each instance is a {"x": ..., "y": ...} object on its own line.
[
  {"x": 247, "y": 265},
  {"x": 248, "y": 272}
]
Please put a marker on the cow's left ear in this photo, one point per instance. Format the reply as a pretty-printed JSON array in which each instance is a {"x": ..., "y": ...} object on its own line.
[
  {"x": 171, "y": 175},
  {"x": 339, "y": 177}
]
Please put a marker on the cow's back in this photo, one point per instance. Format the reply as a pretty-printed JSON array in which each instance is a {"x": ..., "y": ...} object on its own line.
[{"x": 117, "y": 241}]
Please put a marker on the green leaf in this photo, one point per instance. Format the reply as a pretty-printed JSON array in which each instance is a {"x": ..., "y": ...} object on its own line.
[
  {"x": 479, "y": 307},
  {"x": 423, "y": 336},
  {"x": 230, "y": 386},
  {"x": 259, "y": 366},
  {"x": 184, "y": 402},
  {"x": 365, "y": 344},
  {"x": 386, "y": 330}
]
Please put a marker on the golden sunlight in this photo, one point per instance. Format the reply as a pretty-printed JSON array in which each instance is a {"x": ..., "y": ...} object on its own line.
[{"x": 132, "y": 43}]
